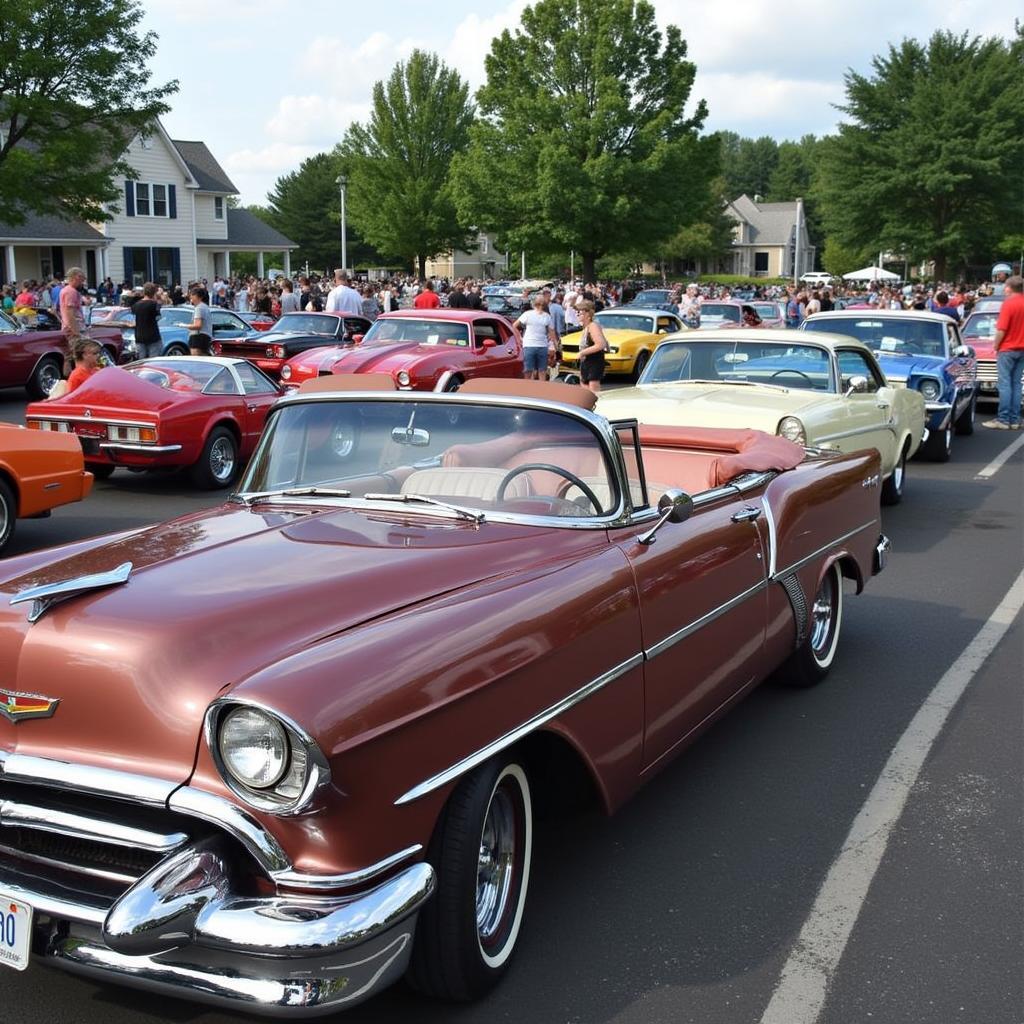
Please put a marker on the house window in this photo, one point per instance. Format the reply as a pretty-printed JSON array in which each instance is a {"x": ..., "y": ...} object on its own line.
[
  {"x": 159, "y": 200},
  {"x": 146, "y": 141},
  {"x": 218, "y": 207},
  {"x": 141, "y": 199},
  {"x": 760, "y": 263},
  {"x": 163, "y": 267}
]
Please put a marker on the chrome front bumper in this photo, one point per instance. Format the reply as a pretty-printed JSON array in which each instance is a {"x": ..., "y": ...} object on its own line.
[
  {"x": 882, "y": 549},
  {"x": 187, "y": 928}
]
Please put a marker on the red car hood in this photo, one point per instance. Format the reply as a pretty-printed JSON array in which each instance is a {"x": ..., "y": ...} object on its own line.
[
  {"x": 111, "y": 392},
  {"x": 373, "y": 358},
  {"x": 212, "y": 598}
]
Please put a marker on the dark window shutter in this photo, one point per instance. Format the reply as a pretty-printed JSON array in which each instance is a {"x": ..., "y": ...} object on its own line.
[
  {"x": 176, "y": 262},
  {"x": 172, "y": 202},
  {"x": 129, "y": 257},
  {"x": 129, "y": 198},
  {"x": 150, "y": 264}
]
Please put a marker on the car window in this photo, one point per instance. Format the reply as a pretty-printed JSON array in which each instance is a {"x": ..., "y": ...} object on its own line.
[
  {"x": 253, "y": 381},
  {"x": 307, "y": 323},
  {"x": 221, "y": 383},
  {"x": 224, "y": 321},
  {"x": 626, "y": 321},
  {"x": 485, "y": 329},
  {"x": 981, "y": 325},
  {"x": 853, "y": 364},
  {"x": 719, "y": 311}
]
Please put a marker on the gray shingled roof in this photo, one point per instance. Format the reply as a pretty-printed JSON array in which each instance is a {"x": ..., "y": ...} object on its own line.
[
  {"x": 51, "y": 227},
  {"x": 245, "y": 229},
  {"x": 771, "y": 223},
  {"x": 204, "y": 167}
]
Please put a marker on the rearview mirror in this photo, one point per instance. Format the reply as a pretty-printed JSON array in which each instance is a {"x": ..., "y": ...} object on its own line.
[
  {"x": 963, "y": 352},
  {"x": 414, "y": 436},
  {"x": 857, "y": 384}
]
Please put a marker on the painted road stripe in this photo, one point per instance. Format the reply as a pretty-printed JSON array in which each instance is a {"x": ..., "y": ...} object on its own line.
[
  {"x": 997, "y": 463},
  {"x": 803, "y": 984}
]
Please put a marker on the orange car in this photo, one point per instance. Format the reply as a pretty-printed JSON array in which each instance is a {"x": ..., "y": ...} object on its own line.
[{"x": 38, "y": 471}]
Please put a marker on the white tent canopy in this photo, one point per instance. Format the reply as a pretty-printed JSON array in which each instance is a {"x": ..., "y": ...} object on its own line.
[{"x": 871, "y": 274}]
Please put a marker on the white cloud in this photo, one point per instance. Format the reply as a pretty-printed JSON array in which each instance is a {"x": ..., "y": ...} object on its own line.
[{"x": 471, "y": 41}]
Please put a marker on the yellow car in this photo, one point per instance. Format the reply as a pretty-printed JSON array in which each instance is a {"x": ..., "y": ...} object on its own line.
[{"x": 633, "y": 334}]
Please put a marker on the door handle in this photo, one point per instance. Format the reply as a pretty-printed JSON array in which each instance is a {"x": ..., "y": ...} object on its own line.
[
  {"x": 251, "y": 408},
  {"x": 746, "y": 515}
]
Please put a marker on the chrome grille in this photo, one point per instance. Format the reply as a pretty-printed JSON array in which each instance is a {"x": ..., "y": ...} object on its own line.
[{"x": 987, "y": 371}]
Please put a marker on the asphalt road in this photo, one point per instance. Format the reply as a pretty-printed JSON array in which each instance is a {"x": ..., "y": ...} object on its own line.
[{"x": 686, "y": 905}]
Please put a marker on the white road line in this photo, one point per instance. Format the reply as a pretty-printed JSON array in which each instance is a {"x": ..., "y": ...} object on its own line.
[
  {"x": 803, "y": 984},
  {"x": 997, "y": 463}
]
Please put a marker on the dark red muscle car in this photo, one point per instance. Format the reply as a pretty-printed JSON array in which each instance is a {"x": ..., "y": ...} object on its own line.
[
  {"x": 278, "y": 754},
  {"x": 422, "y": 349},
  {"x": 173, "y": 411},
  {"x": 33, "y": 349}
]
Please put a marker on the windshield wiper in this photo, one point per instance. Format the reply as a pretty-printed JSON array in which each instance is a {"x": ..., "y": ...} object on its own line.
[
  {"x": 289, "y": 492},
  {"x": 465, "y": 513}
]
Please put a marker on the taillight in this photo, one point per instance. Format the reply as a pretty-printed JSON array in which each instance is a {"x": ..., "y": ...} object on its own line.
[{"x": 279, "y": 351}]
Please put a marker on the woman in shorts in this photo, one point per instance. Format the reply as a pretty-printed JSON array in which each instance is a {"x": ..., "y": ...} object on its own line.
[
  {"x": 200, "y": 330},
  {"x": 593, "y": 345}
]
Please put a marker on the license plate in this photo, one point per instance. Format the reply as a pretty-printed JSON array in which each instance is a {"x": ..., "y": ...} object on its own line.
[{"x": 15, "y": 933}]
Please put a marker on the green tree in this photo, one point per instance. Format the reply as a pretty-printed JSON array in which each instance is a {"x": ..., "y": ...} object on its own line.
[
  {"x": 796, "y": 174},
  {"x": 305, "y": 205},
  {"x": 747, "y": 164},
  {"x": 839, "y": 259},
  {"x": 74, "y": 90},
  {"x": 399, "y": 162},
  {"x": 584, "y": 142},
  {"x": 929, "y": 161}
]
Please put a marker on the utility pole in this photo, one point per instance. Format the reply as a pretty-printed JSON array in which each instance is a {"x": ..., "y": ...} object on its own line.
[{"x": 341, "y": 181}]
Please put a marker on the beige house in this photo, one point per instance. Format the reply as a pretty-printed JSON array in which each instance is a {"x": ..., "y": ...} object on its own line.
[
  {"x": 769, "y": 240},
  {"x": 483, "y": 261},
  {"x": 172, "y": 225}
]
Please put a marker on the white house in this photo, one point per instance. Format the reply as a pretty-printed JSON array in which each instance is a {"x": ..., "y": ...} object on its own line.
[
  {"x": 770, "y": 239},
  {"x": 172, "y": 225},
  {"x": 482, "y": 261}
]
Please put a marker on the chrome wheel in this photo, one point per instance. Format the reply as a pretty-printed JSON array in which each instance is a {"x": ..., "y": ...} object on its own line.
[
  {"x": 49, "y": 374},
  {"x": 495, "y": 866},
  {"x": 222, "y": 459},
  {"x": 822, "y": 615}
]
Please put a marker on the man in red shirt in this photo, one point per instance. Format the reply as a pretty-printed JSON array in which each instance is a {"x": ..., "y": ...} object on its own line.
[
  {"x": 427, "y": 299},
  {"x": 1009, "y": 346},
  {"x": 72, "y": 320}
]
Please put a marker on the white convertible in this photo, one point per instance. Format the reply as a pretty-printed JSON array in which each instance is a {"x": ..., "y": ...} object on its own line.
[{"x": 825, "y": 392}]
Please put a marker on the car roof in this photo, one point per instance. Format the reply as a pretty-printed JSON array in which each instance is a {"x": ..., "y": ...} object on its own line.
[
  {"x": 464, "y": 315},
  {"x": 905, "y": 314},
  {"x": 778, "y": 335}
]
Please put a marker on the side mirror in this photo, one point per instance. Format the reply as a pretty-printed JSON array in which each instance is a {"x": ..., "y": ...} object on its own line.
[
  {"x": 357, "y": 338},
  {"x": 675, "y": 506},
  {"x": 963, "y": 352},
  {"x": 856, "y": 385},
  {"x": 490, "y": 343}
]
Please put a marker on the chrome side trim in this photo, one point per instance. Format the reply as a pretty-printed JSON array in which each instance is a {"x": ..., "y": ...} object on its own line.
[
  {"x": 773, "y": 539},
  {"x": 853, "y": 433},
  {"x": 77, "y": 826},
  {"x": 44, "y": 771},
  {"x": 825, "y": 547},
  {"x": 146, "y": 449},
  {"x": 300, "y": 880},
  {"x": 235, "y": 821},
  {"x": 515, "y": 735},
  {"x": 681, "y": 634},
  {"x": 49, "y": 594}
]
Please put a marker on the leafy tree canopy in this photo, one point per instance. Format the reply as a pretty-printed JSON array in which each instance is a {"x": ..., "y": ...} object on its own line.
[
  {"x": 929, "y": 161},
  {"x": 74, "y": 91},
  {"x": 747, "y": 164},
  {"x": 399, "y": 162},
  {"x": 584, "y": 141}
]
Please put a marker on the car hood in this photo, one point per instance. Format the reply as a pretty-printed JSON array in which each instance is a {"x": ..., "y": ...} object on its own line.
[
  {"x": 712, "y": 405},
  {"x": 212, "y": 598},
  {"x": 903, "y": 366},
  {"x": 387, "y": 358},
  {"x": 620, "y": 336}
]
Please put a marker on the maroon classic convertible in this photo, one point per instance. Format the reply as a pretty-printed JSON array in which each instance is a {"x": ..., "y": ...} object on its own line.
[{"x": 278, "y": 754}]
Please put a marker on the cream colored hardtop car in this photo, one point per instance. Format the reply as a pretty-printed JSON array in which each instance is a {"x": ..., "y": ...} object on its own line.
[{"x": 825, "y": 391}]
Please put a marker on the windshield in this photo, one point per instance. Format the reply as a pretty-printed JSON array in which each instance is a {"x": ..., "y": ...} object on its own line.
[
  {"x": 981, "y": 325},
  {"x": 493, "y": 459},
  {"x": 307, "y": 323},
  {"x": 419, "y": 332},
  {"x": 626, "y": 321},
  {"x": 173, "y": 315},
  {"x": 652, "y": 295},
  {"x": 182, "y": 374},
  {"x": 719, "y": 311},
  {"x": 742, "y": 362},
  {"x": 896, "y": 335},
  {"x": 767, "y": 310}
]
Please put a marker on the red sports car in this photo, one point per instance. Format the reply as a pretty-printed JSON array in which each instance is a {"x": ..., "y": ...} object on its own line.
[
  {"x": 202, "y": 413},
  {"x": 32, "y": 350},
  {"x": 422, "y": 349}
]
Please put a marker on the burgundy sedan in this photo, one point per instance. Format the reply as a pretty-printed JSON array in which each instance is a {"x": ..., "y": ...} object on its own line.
[
  {"x": 33, "y": 349},
  {"x": 422, "y": 349}
]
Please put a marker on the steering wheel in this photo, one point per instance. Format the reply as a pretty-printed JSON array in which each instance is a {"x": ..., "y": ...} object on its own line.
[
  {"x": 546, "y": 467},
  {"x": 799, "y": 373}
]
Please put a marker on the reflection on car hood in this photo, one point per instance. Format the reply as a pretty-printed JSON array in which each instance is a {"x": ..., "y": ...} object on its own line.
[{"x": 213, "y": 598}]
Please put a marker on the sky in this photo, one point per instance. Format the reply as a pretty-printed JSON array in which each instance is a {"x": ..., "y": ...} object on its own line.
[{"x": 265, "y": 84}]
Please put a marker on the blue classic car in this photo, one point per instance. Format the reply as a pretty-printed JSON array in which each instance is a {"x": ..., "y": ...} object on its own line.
[
  {"x": 923, "y": 351},
  {"x": 174, "y": 321}
]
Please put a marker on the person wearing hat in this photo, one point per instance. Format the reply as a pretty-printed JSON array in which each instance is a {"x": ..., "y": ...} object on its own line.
[{"x": 1009, "y": 346}]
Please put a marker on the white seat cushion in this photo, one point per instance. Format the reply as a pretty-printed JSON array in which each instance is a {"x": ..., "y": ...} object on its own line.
[{"x": 478, "y": 482}]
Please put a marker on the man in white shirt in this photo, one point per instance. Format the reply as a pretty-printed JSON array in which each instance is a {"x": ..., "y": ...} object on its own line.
[
  {"x": 342, "y": 298},
  {"x": 242, "y": 298},
  {"x": 538, "y": 339}
]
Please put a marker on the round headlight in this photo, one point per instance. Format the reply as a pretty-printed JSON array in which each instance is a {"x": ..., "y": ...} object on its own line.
[
  {"x": 254, "y": 747},
  {"x": 403, "y": 378},
  {"x": 929, "y": 389},
  {"x": 286, "y": 372},
  {"x": 792, "y": 429}
]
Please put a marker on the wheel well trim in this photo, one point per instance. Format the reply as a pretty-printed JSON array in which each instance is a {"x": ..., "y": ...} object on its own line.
[{"x": 11, "y": 478}]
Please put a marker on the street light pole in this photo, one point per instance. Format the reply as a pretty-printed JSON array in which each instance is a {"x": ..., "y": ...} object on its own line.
[{"x": 341, "y": 182}]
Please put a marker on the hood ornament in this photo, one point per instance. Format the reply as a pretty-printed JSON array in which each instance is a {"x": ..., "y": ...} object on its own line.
[
  {"x": 50, "y": 594},
  {"x": 16, "y": 706}
]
